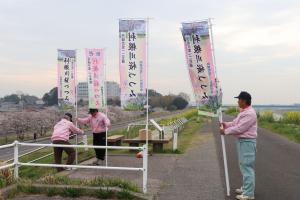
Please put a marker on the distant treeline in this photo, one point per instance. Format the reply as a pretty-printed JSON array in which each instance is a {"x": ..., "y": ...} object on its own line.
[
  {"x": 14, "y": 98},
  {"x": 156, "y": 100}
]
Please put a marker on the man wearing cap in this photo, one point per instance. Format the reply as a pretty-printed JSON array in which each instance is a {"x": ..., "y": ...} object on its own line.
[
  {"x": 98, "y": 122},
  {"x": 244, "y": 128},
  {"x": 61, "y": 135}
]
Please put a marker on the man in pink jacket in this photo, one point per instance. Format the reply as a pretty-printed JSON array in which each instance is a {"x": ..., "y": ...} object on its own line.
[
  {"x": 61, "y": 134},
  {"x": 244, "y": 128},
  {"x": 98, "y": 122}
]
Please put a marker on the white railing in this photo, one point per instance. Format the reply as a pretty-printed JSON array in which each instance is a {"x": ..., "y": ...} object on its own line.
[
  {"x": 16, "y": 163},
  {"x": 175, "y": 126},
  {"x": 38, "y": 149}
]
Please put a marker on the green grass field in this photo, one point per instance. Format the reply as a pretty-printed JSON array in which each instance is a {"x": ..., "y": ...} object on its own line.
[{"x": 288, "y": 126}]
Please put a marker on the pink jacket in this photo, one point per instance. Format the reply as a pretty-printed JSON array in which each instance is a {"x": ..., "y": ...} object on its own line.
[
  {"x": 63, "y": 129},
  {"x": 244, "y": 125},
  {"x": 98, "y": 123}
]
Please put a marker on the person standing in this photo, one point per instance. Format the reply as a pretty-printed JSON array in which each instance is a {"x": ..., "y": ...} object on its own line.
[
  {"x": 61, "y": 135},
  {"x": 244, "y": 127},
  {"x": 98, "y": 122}
]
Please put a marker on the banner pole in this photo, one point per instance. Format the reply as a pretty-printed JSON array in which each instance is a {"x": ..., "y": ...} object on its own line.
[
  {"x": 220, "y": 114},
  {"x": 106, "y": 107},
  {"x": 76, "y": 109},
  {"x": 147, "y": 114}
]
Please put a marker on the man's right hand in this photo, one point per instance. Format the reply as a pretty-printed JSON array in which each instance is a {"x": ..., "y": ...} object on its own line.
[{"x": 222, "y": 124}]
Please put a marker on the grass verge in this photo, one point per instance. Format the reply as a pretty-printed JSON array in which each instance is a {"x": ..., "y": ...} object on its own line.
[
  {"x": 97, "y": 181},
  {"x": 288, "y": 126},
  {"x": 66, "y": 187},
  {"x": 290, "y": 131}
]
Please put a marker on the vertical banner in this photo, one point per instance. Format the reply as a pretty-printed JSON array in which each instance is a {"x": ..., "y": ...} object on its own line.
[
  {"x": 199, "y": 53},
  {"x": 133, "y": 63},
  {"x": 200, "y": 64},
  {"x": 96, "y": 78},
  {"x": 66, "y": 86}
]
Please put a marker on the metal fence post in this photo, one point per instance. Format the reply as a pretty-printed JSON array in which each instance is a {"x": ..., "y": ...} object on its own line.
[
  {"x": 145, "y": 168},
  {"x": 76, "y": 150},
  {"x": 175, "y": 134},
  {"x": 16, "y": 160}
]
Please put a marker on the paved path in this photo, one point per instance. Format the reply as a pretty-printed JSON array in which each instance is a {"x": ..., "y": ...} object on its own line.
[
  {"x": 196, "y": 175},
  {"x": 277, "y": 166}
]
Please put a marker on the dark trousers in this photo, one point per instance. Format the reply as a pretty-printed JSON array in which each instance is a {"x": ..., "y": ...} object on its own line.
[
  {"x": 99, "y": 139},
  {"x": 58, "y": 153}
]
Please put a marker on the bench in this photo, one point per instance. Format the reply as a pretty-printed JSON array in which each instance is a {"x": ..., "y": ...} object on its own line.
[
  {"x": 160, "y": 137},
  {"x": 158, "y": 144},
  {"x": 115, "y": 140}
]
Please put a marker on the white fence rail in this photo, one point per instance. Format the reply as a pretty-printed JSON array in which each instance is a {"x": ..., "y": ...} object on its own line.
[
  {"x": 16, "y": 163},
  {"x": 35, "y": 150}
]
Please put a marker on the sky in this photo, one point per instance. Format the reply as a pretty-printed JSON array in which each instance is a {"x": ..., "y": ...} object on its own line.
[{"x": 257, "y": 43}]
